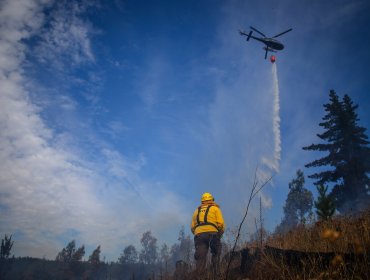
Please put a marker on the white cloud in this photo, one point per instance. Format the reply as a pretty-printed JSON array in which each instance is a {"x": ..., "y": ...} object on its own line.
[
  {"x": 49, "y": 190},
  {"x": 120, "y": 167},
  {"x": 66, "y": 39},
  {"x": 18, "y": 19}
]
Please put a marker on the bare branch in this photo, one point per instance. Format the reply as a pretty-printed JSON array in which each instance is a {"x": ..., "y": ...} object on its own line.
[{"x": 254, "y": 192}]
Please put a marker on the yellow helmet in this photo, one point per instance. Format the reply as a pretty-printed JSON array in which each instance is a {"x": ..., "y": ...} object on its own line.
[{"x": 207, "y": 196}]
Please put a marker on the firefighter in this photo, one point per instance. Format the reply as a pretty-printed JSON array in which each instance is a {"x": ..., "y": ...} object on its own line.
[{"x": 207, "y": 225}]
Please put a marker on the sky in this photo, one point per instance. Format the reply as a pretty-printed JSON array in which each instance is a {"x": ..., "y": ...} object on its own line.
[{"x": 117, "y": 115}]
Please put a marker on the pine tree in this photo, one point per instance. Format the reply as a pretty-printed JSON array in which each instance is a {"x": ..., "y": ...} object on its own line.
[
  {"x": 76, "y": 265},
  {"x": 94, "y": 258},
  {"x": 324, "y": 205},
  {"x": 297, "y": 205},
  {"x": 66, "y": 254},
  {"x": 6, "y": 247},
  {"x": 348, "y": 158},
  {"x": 70, "y": 259},
  {"x": 96, "y": 264}
]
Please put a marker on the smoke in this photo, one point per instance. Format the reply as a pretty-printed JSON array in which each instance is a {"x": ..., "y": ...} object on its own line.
[{"x": 276, "y": 118}]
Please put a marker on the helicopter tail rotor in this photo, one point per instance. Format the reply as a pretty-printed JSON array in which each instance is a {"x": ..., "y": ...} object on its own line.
[
  {"x": 249, "y": 35},
  {"x": 245, "y": 34}
]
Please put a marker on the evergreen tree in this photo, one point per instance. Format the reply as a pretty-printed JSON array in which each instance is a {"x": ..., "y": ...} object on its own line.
[
  {"x": 76, "y": 265},
  {"x": 70, "y": 259},
  {"x": 78, "y": 254},
  {"x": 66, "y": 254},
  {"x": 6, "y": 247},
  {"x": 324, "y": 205},
  {"x": 97, "y": 267},
  {"x": 348, "y": 158},
  {"x": 70, "y": 254},
  {"x": 94, "y": 258},
  {"x": 297, "y": 205}
]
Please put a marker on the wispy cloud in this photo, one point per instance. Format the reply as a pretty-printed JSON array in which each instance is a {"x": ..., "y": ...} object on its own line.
[
  {"x": 66, "y": 37},
  {"x": 18, "y": 20},
  {"x": 50, "y": 191},
  {"x": 151, "y": 80}
]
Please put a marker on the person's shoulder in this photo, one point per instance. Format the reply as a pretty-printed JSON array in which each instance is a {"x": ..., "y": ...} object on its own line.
[{"x": 216, "y": 207}]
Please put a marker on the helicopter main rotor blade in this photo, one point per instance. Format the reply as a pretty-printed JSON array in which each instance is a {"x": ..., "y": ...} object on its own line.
[
  {"x": 283, "y": 33},
  {"x": 258, "y": 31}
]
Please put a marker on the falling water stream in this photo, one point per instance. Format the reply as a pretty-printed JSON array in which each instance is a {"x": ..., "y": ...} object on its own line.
[{"x": 276, "y": 118}]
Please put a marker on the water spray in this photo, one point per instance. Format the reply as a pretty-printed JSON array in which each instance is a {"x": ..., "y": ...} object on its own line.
[{"x": 276, "y": 118}]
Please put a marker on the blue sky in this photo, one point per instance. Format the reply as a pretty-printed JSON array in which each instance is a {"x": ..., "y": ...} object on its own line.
[{"x": 117, "y": 115}]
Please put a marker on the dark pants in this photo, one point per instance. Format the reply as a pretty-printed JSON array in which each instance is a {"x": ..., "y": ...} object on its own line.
[{"x": 203, "y": 242}]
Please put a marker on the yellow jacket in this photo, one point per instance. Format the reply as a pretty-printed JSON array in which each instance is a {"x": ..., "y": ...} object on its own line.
[{"x": 214, "y": 220}]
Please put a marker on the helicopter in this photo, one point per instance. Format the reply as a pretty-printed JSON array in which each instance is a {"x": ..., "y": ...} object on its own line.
[{"x": 272, "y": 45}]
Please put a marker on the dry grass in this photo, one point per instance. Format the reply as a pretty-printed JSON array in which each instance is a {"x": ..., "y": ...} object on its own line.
[
  {"x": 345, "y": 239},
  {"x": 349, "y": 234}
]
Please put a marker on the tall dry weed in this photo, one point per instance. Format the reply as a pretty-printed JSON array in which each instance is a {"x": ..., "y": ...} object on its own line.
[
  {"x": 345, "y": 240},
  {"x": 345, "y": 234}
]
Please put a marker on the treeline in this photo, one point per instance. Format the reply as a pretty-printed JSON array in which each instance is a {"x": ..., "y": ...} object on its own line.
[
  {"x": 148, "y": 262},
  {"x": 342, "y": 174}
]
